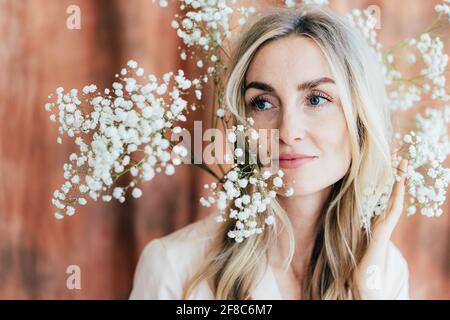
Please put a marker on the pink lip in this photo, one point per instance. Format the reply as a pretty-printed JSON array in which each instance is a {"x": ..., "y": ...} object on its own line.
[{"x": 294, "y": 160}]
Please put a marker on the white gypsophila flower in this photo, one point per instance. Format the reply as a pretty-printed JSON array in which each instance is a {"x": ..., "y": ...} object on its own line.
[
  {"x": 289, "y": 3},
  {"x": 436, "y": 61},
  {"x": 130, "y": 118},
  {"x": 204, "y": 27},
  {"x": 233, "y": 202},
  {"x": 289, "y": 192},
  {"x": 136, "y": 193},
  {"x": 220, "y": 112},
  {"x": 444, "y": 8},
  {"x": 427, "y": 149},
  {"x": 427, "y": 180},
  {"x": 403, "y": 92},
  {"x": 365, "y": 22},
  {"x": 406, "y": 92},
  {"x": 316, "y": 2},
  {"x": 245, "y": 193},
  {"x": 374, "y": 203},
  {"x": 278, "y": 182},
  {"x": 206, "y": 24}
]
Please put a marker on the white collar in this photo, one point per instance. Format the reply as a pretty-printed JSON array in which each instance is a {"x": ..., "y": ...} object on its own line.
[{"x": 267, "y": 288}]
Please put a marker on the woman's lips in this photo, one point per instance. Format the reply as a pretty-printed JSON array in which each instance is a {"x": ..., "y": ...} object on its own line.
[{"x": 293, "y": 160}]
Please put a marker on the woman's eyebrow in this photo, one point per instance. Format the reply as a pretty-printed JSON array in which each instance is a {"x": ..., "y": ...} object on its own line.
[{"x": 302, "y": 86}]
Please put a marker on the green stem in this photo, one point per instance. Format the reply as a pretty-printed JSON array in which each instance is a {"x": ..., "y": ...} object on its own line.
[
  {"x": 136, "y": 164},
  {"x": 405, "y": 41}
]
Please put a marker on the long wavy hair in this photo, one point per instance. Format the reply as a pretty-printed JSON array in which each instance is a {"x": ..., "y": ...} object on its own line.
[{"x": 232, "y": 268}]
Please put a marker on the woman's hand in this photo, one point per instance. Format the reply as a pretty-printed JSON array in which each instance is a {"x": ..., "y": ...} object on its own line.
[{"x": 369, "y": 274}]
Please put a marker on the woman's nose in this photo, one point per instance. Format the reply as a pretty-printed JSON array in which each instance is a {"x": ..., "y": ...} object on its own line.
[{"x": 292, "y": 127}]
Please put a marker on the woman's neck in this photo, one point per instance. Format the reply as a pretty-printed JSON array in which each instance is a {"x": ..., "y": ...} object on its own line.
[{"x": 304, "y": 213}]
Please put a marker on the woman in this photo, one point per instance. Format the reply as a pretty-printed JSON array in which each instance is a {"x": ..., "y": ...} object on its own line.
[{"x": 309, "y": 74}]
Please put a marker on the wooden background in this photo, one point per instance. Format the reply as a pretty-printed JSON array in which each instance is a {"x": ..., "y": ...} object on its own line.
[{"x": 38, "y": 54}]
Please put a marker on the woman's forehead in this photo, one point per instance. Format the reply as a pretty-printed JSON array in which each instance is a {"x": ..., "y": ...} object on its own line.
[{"x": 292, "y": 58}]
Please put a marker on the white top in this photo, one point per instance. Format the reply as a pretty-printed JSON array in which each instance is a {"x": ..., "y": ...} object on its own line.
[{"x": 167, "y": 263}]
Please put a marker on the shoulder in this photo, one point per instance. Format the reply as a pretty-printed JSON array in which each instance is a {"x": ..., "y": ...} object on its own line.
[
  {"x": 185, "y": 247},
  {"x": 396, "y": 274},
  {"x": 167, "y": 262}
]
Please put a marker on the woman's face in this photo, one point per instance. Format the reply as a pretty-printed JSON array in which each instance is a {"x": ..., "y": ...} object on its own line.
[{"x": 289, "y": 87}]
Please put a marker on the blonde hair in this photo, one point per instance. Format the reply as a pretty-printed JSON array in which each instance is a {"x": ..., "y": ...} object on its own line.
[{"x": 232, "y": 268}]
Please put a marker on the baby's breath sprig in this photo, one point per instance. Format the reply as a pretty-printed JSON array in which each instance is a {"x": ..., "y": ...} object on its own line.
[
  {"x": 425, "y": 49},
  {"x": 427, "y": 149},
  {"x": 247, "y": 189},
  {"x": 118, "y": 131}
]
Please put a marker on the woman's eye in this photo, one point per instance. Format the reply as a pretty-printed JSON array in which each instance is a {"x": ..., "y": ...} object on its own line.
[
  {"x": 260, "y": 104},
  {"x": 317, "y": 100}
]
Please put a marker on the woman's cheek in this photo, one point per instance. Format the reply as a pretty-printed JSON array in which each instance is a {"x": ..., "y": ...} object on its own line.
[{"x": 337, "y": 140}]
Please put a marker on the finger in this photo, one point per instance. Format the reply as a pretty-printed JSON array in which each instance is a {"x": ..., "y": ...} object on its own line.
[{"x": 395, "y": 153}]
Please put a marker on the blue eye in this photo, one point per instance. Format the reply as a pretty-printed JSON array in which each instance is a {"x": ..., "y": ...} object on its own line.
[
  {"x": 315, "y": 100},
  {"x": 318, "y": 99},
  {"x": 260, "y": 104}
]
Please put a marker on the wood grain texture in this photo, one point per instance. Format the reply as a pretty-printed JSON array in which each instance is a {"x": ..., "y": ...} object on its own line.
[{"x": 38, "y": 54}]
